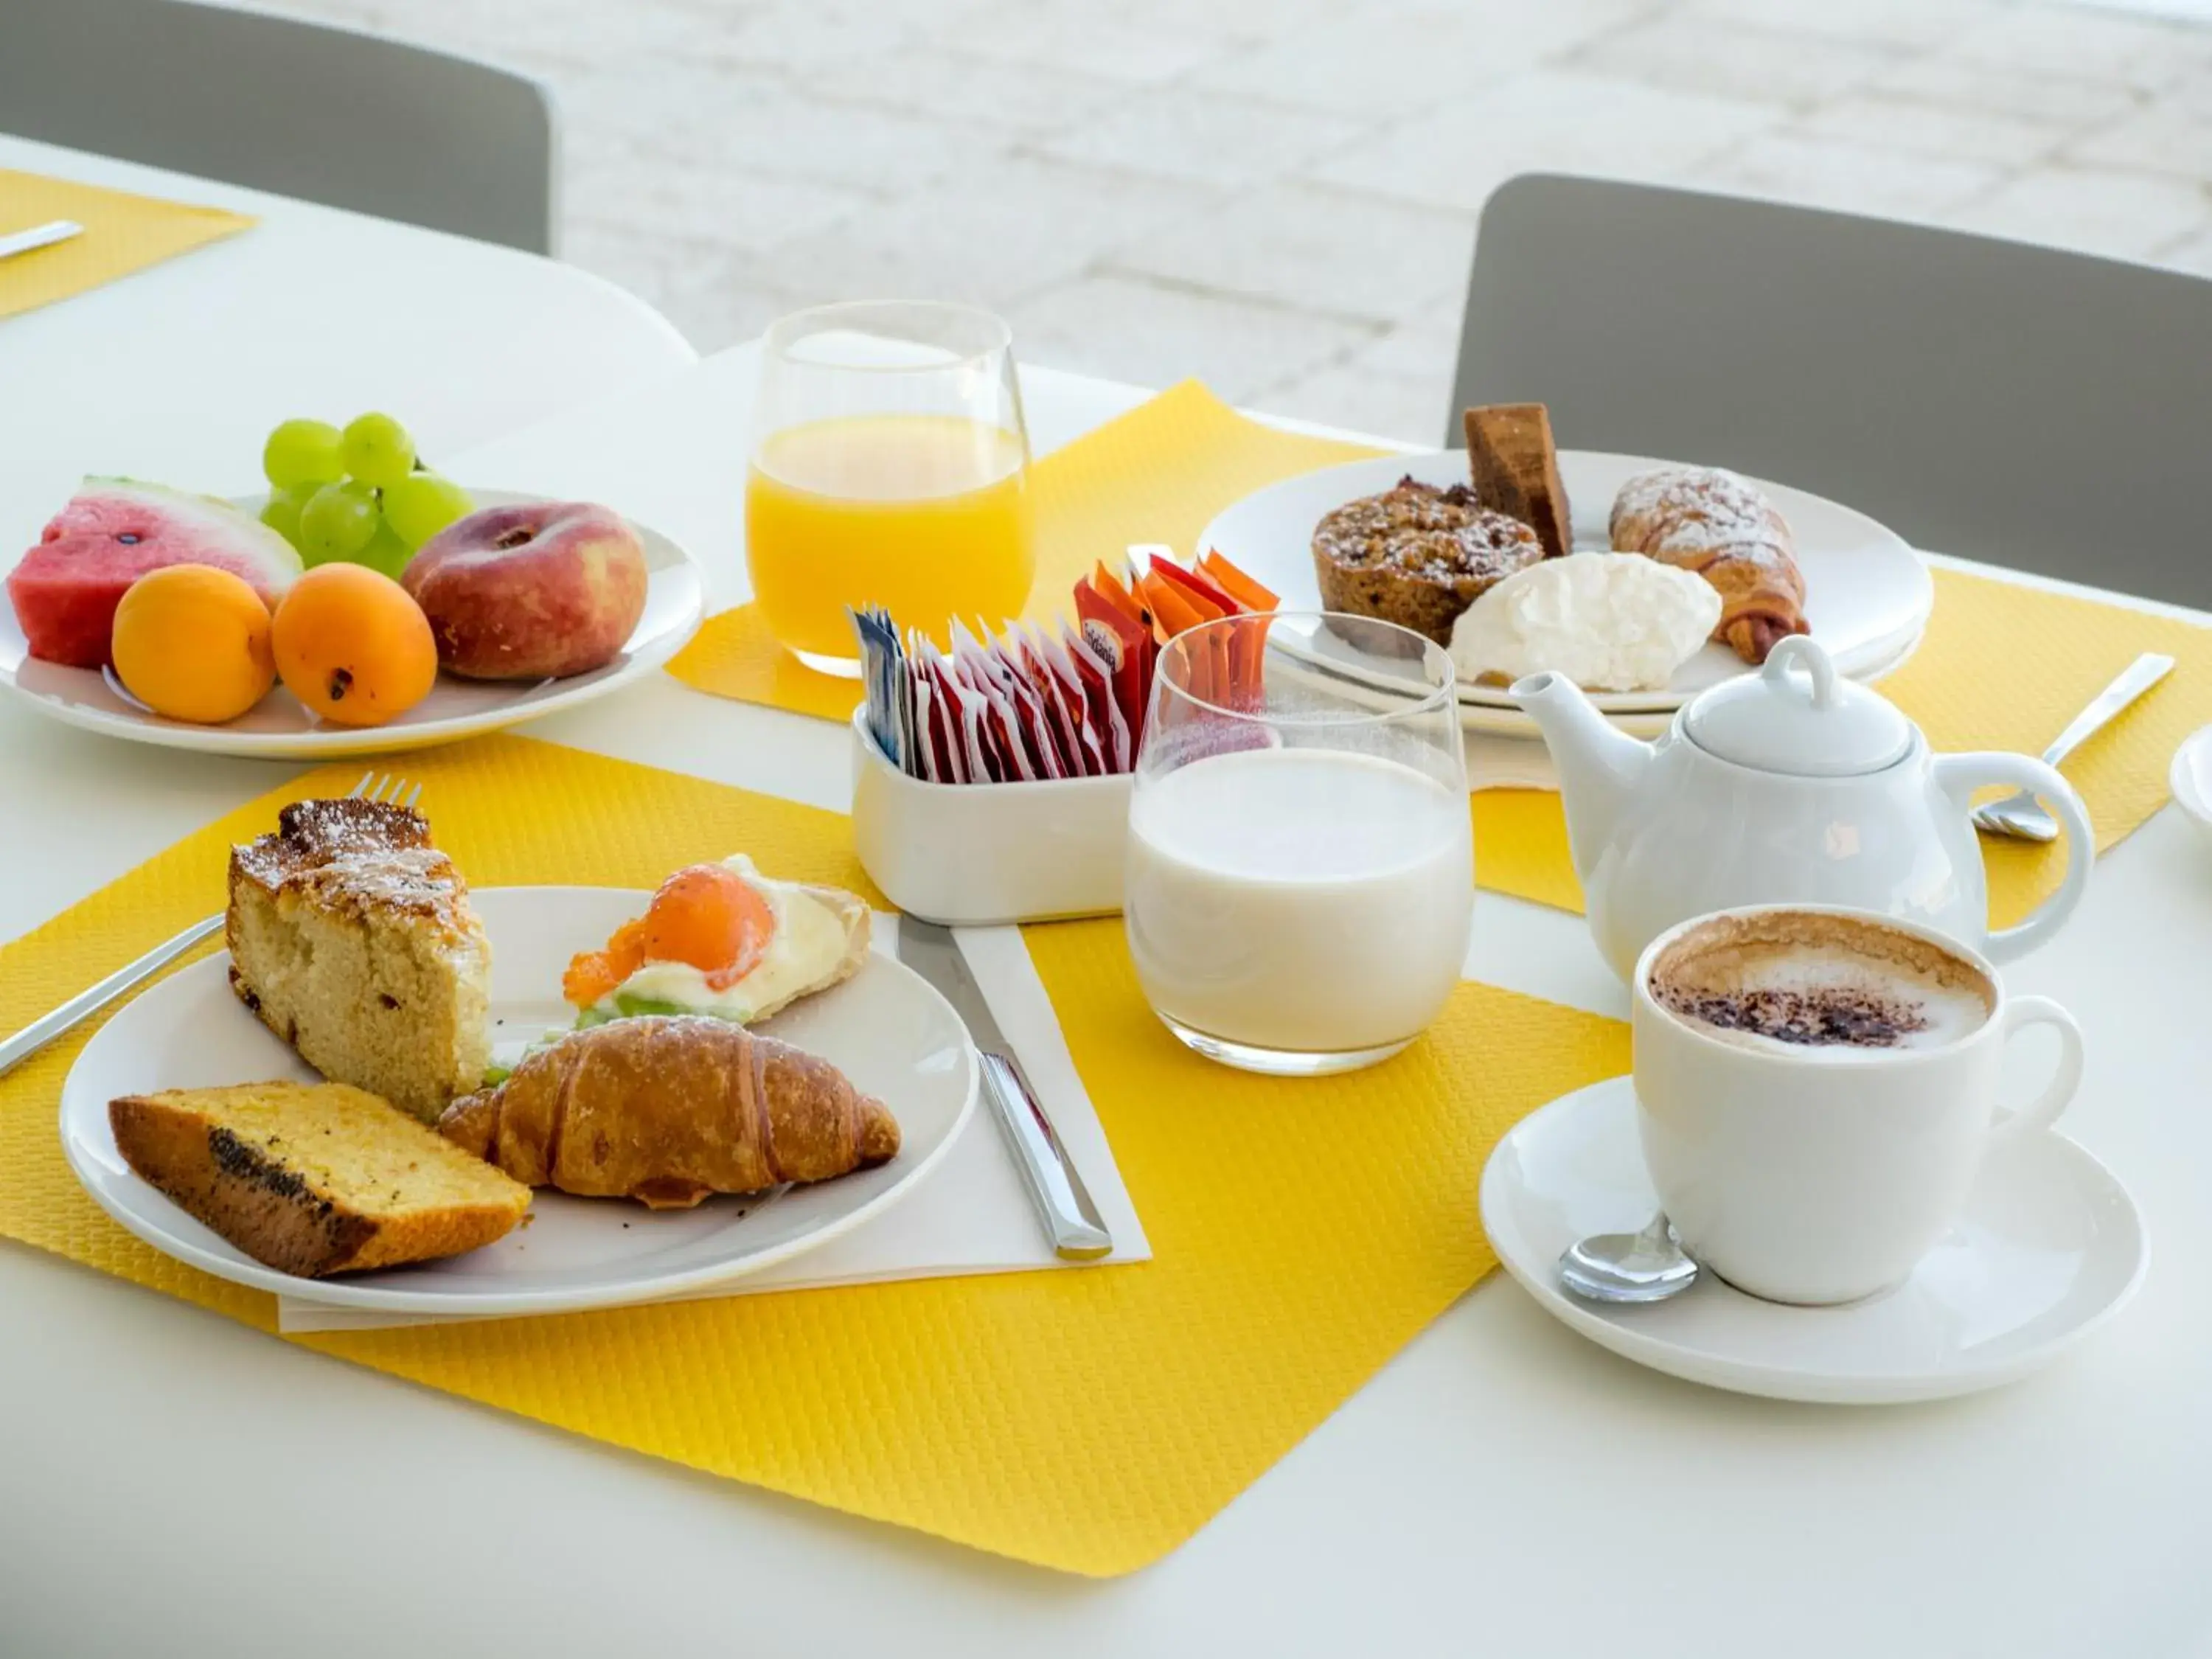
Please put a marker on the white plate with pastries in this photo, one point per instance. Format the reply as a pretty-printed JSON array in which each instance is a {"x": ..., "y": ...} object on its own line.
[
  {"x": 279, "y": 726},
  {"x": 891, "y": 1035},
  {"x": 1868, "y": 593}
]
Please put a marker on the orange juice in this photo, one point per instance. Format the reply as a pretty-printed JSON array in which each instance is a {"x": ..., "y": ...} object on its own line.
[{"x": 927, "y": 516}]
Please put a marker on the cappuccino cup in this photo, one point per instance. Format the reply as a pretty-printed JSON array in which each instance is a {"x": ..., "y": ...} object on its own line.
[{"x": 1816, "y": 1088}]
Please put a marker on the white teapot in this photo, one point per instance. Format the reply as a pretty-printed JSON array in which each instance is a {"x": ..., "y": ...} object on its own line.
[{"x": 1786, "y": 788}]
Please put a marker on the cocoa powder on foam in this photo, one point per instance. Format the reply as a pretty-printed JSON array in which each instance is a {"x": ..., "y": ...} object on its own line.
[{"x": 1806, "y": 980}]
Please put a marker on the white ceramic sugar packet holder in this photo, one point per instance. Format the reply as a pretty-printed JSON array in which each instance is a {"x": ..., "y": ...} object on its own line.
[{"x": 978, "y": 855}]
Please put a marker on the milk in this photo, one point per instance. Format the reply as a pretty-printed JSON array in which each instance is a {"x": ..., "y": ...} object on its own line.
[{"x": 1305, "y": 899}]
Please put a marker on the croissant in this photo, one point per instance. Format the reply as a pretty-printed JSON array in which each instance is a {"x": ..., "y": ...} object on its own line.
[
  {"x": 1721, "y": 526},
  {"x": 667, "y": 1108}
]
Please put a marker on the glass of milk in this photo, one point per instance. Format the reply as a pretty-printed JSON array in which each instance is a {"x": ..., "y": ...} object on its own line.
[{"x": 1301, "y": 869}]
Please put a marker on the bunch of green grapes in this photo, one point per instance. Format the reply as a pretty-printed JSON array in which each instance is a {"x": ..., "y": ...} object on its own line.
[{"x": 359, "y": 494}]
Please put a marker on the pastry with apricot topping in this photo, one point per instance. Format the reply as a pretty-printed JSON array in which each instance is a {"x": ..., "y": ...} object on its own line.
[{"x": 725, "y": 940}]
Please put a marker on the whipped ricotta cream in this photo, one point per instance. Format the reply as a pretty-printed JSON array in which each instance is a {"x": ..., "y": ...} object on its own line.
[{"x": 1609, "y": 621}]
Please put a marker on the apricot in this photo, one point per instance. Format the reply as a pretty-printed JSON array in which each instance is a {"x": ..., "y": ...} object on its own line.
[
  {"x": 709, "y": 917},
  {"x": 593, "y": 974},
  {"x": 192, "y": 642},
  {"x": 352, "y": 646}
]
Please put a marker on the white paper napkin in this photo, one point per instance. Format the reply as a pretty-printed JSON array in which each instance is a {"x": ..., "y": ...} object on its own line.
[{"x": 971, "y": 1216}]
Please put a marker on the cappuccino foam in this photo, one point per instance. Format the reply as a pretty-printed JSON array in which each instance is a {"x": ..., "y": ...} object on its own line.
[{"x": 1798, "y": 979}]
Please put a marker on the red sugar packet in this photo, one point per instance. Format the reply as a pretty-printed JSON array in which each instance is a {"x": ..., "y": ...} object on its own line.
[
  {"x": 1002, "y": 743},
  {"x": 1014, "y": 673},
  {"x": 1103, "y": 706},
  {"x": 1068, "y": 685},
  {"x": 1027, "y": 707}
]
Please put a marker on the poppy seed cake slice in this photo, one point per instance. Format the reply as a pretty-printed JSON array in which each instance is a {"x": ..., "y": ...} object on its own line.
[{"x": 314, "y": 1178}]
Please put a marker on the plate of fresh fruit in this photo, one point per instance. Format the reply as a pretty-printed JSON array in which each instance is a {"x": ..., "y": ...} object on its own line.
[{"x": 364, "y": 603}]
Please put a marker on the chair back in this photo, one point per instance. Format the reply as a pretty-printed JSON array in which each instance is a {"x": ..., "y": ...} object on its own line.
[
  {"x": 325, "y": 113},
  {"x": 2040, "y": 409}
]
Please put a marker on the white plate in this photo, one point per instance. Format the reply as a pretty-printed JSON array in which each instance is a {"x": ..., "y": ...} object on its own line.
[
  {"x": 1867, "y": 595},
  {"x": 1490, "y": 722},
  {"x": 280, "y": 727},
  {"x": 2050, "y": 1248},
  {"x": 885, "y": 1028},
  {"x": 2190, "y": 778}
]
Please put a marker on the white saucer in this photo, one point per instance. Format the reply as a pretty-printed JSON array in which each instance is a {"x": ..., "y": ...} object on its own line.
[
  {"x": 2190, "y": 780},
  {"x": 2051, "y": 1247}
]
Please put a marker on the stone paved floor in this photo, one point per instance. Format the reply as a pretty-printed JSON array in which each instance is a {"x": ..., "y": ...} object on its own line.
[{"x": 1281, "y": 195}]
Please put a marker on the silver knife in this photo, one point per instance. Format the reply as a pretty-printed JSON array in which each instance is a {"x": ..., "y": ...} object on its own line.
[
  {"x": 38, "y": 236},
  {"x": 1071, "y": 1219}
]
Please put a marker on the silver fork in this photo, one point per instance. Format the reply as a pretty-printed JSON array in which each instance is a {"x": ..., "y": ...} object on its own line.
[
  {"x": 386, "y": 787},
  {"x": 2020, "y": 815}
]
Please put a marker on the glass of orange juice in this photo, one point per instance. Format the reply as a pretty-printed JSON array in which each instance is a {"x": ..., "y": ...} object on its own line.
[{"x": 890, "y": 466}]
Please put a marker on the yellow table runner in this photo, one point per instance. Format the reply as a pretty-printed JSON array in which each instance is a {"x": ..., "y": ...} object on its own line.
[
  {"x": 1158, "y": 473},
  {"x": 2002, "y": 667},
  {"x": 1305, "y": 1231},
  {"x": 122, "y": 234}
]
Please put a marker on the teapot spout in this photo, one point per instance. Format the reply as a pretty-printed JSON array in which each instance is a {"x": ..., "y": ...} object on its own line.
[{"x": 1599, "y": 766}]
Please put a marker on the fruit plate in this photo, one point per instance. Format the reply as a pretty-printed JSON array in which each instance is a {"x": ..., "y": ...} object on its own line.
[
  {"x": 1868, "y": 594},
  {"x": 886, "y": 1028},
  {"x": 280, "y": 727}
]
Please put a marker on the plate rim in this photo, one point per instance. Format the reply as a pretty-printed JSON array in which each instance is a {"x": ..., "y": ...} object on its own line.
[
  {"x": 1880, "y": 654},
  {"x": 2181, "y": 777},
  {"x": 338, "y": 1293},
  {"x": 1773, "y": 1382},
  {"x": 338, "y": 743}
]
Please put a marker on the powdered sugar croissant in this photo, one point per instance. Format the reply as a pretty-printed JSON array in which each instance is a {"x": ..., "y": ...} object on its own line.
[
  {"x": 1723, "y": 526},
  {"x": 668, "y": 1109}
]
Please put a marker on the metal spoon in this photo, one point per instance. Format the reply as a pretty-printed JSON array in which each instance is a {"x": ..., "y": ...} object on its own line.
[
  {"x": 1645, "y": 1266},
  {"x": 38, "y": 236},
  {"x": 2018, "y": 815}
]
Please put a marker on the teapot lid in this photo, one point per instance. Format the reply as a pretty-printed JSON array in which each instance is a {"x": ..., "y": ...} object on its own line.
[{"x": 1814, "y": 723}]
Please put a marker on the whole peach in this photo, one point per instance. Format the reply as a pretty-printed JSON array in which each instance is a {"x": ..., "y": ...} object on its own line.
[{"x": 530, "y": 592}]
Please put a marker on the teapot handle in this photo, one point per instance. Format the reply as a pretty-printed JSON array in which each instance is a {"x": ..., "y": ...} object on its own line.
[{"x": 1960, "y": 775}]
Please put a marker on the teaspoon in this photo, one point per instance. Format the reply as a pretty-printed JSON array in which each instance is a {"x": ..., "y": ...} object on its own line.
[
  {"x": 2021, "y": 815},
  {"x": 1645, "y": 1266}
]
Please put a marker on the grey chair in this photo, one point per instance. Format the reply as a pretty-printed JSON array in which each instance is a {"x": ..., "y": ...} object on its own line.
[
  {"x": 2040, "y": 409},
  {"x": 302, "y": 109}
]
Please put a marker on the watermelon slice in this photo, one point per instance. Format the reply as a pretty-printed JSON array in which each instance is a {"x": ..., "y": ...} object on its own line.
[{"x": 113, "y": 532}]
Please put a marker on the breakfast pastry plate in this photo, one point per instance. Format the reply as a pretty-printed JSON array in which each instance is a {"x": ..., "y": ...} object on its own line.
[
  {"x": 1868, "y": 594},
  {"x": 885, "y": 1028},
  {"x": 2050, "y": 1248},
  {"x": 280, "y": 727}
]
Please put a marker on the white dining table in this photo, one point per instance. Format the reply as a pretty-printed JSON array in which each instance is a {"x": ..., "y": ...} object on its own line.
[
  {"x": 171, "y": 1482},
  {"x": 176, "y": 373}
]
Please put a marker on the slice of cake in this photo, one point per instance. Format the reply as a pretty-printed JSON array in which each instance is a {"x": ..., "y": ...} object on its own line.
[
  {"x": 315, "y": 1178},
  {"x": 1515, "y": 469},
  {"x": 352, "y": 938}
]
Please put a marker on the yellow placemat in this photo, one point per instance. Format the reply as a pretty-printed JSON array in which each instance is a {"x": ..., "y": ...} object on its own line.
[
  {"x": 122, "y": 234},
  {"x": 1159, "y": 473},
  {"x": 2002, "y": 667},
  {"x": 1304, "y": 1232}
]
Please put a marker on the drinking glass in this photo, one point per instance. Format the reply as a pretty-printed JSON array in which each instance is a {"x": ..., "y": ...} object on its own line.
[
  {"x": 890, "y": 466},
  {"x": 1301, "y": 869}
]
